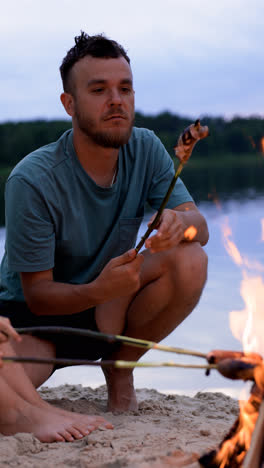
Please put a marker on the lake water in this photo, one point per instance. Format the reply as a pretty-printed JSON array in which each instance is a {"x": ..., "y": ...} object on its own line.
[{"x": 207, "y": 327}]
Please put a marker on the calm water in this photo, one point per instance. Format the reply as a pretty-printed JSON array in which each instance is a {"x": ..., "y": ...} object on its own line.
[{"x": 208, "y": 326}]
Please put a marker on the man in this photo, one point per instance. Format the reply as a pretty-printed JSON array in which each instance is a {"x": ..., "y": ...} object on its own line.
[{"x": 73, "y": 210}]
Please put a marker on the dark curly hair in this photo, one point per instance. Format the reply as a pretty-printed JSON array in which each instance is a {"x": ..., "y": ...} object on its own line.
[{"x": 96, "y": 46}]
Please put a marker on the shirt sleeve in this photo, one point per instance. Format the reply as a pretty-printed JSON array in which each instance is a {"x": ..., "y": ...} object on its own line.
[
  {"x": 30, "y": 237},
  {"x": 162, "y": 176}
]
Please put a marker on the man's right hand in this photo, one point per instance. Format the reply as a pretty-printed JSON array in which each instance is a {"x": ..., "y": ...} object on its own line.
[{"x": 121, "y": 276}]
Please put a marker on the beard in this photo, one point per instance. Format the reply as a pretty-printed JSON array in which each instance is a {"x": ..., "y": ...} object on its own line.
[{"x": 108, "y": 138}]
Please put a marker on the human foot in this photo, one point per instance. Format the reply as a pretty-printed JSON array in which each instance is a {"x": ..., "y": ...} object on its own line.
[
  {"x": 90, "y": 422},
  {"x": 121, "y": 392},
  {"x": 46, "y": 425}
]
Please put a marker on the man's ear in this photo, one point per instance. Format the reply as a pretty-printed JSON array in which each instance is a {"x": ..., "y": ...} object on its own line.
[{"x": 68, "y": 103}]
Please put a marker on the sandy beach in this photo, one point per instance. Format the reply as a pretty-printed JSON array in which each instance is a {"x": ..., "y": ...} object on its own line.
[{"x": 167, "y": 430}]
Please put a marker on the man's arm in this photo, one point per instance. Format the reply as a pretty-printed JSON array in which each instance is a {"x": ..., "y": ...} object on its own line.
[
  {"x": 173, "y": 227},
  {"x": 44, "y": 296}
]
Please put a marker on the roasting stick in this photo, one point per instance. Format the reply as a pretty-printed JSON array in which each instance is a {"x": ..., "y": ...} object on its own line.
[
  {"x": 115, "y": 364},
  {"x": 136, "y": 342},
  {"x": 183, "y": 150}
]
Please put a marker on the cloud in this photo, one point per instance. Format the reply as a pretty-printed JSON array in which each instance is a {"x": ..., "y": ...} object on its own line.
[{"x": 194, "y": 57}]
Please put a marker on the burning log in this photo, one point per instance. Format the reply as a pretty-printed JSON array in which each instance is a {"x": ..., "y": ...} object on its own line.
[{"x": 235, "y": 446}]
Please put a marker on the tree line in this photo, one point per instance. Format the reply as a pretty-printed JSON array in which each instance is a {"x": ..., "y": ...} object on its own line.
[
  {"x": 239, "y": 136},
  {"x": 231, "y": 144}
]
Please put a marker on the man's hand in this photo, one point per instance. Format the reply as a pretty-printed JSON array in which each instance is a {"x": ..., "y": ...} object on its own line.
[
  {"x": 170, "y": 231},
  {"x": 174, "y": 226},
  {"x": 121, "y": 276},
  {"x": 6, "y": 332}
]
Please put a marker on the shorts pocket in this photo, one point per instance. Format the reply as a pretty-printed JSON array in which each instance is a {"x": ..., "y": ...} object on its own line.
[{"x": 128, "y": 231}]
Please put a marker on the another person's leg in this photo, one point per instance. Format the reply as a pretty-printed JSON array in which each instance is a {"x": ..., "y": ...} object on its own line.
[
  {"x": 24, "y": 410},
  {"x": 172, "y": 283}
]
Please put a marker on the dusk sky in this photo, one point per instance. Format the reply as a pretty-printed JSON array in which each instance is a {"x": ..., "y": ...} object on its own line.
[{"x": 192, "y": 57}]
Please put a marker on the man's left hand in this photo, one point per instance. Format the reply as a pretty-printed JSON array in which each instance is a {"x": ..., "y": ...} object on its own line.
[{"x": 170, "y": 231}]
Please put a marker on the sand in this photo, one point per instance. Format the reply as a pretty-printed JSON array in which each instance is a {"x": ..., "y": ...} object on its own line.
[{"x": 167, "y": 430}]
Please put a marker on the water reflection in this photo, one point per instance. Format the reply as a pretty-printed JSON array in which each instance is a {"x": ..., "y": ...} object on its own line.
[{"x": 227, "y": 183}]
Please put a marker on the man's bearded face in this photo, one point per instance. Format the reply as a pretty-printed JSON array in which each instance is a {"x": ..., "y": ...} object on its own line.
[
  {"x": 104, "y": 100},
  {"x": 113, "y": 136}
]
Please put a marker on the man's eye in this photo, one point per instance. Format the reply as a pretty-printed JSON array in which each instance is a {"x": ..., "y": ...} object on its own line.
[
  {"x": 126, "y": 90},
  {"x": 98, "y": 90}
]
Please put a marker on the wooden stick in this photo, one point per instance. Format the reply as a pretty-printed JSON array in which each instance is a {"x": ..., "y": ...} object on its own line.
[
  {"x": 116, "y": 364},
  {"x": 111, "y": 339},
  {"x": 161, "y": 208},
  {"x": 183, "y": 150}
]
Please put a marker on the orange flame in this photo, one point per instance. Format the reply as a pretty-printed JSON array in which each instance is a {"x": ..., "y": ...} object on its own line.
[
  {"x": 230, "y": 246},
  {"x": 262, "y": 145},
  {"x": 214, "y": 197},
  {"x": 190, "y": 233},
  {"x": 252, "y": 142},
  {"x": 247, "y": 326},
  {"x": 242, "y": 437},
  {"x": 232, "y": 250}
]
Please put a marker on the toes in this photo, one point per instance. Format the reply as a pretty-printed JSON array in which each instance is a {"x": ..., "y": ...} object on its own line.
[
  {"x": 67, "y": 435},
  {"x": 55, "y": 438},
  {"x": 79, "y": 432},
  {"x": 91, "y": 428}
]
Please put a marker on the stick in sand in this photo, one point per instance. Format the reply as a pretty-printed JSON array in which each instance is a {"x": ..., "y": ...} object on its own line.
[{"x": 183, "y": 151}]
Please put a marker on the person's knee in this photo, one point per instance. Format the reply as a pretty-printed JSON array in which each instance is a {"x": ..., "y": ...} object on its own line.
[
  {"x": 188, "y": 265},
  {"x": 197, "y": 263}
]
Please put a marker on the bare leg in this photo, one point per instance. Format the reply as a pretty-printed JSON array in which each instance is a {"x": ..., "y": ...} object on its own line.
[
  {"x": 111, "y": 317},
  {"x": 172, "y": 283},
  {"x": 26, "y": 410}
]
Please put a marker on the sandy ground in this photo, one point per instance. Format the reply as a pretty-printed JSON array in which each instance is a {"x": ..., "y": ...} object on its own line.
[{"x": 167, "y": 430}]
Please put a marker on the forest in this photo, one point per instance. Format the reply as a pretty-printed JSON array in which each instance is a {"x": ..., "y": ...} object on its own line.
[{"x": 234, "y": 143}]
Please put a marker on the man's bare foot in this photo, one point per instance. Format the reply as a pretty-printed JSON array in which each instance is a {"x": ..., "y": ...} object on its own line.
[
  {"x": 121, "y": 392},
  {"x": 46, "y": 425}
]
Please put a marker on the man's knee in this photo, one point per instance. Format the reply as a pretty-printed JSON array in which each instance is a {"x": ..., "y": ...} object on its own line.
[{"x": 188, "y": 265}]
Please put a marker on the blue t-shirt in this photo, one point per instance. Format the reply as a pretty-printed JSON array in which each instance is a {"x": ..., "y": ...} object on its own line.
[{"x": 58, "y": 217}]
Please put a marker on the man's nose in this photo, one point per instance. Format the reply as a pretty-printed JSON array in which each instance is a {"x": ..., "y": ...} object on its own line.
[{"x": 115, "y": 97}]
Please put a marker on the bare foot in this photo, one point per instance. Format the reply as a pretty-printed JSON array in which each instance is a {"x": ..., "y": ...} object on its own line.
[
  {"x": 46, "y": 425},
  {"x": 121, "y": 392},
  {"x": 89, "y": 422}
]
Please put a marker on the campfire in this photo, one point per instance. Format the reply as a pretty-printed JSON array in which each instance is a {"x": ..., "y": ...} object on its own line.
[
  {"x": 243, "y": 446},
  {"x": 236, "y": 450}
]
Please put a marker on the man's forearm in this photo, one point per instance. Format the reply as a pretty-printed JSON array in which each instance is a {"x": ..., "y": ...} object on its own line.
[
  {"x": 44, "y": 296},
  {"x": 48, "y": 297}
]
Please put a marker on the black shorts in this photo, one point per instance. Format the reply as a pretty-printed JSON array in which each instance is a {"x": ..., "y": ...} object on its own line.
[{"x": 67, "y": 346}]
